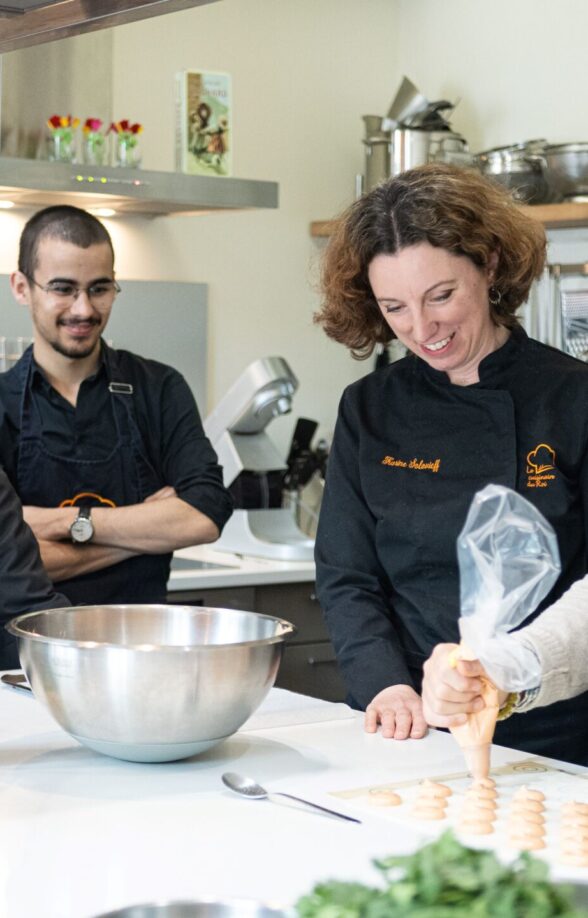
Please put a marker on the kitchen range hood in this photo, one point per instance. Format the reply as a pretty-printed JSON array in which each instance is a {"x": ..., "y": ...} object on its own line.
[
  {"x": 39, "y": 183},
  {"x": 31, "y": 22}
]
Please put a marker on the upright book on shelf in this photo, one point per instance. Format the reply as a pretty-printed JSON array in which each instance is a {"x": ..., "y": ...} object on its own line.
[{"x": 203, "y": 123}]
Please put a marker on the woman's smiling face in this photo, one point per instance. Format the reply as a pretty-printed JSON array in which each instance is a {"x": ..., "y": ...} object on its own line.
[{"x": 436, "y": 303}]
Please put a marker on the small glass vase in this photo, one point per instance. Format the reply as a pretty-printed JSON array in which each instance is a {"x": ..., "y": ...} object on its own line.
[
  {"x": 61, "y": 147},
  {"x": 94, "y": 149},
  {"x": 127, "y": 152}
]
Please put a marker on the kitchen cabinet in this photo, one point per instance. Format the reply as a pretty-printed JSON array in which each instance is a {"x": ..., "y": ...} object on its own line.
[
  {"x": 308, "y": 666},
  {"x": 553, "y": 216},
  {"x": 220, "y": 598}
]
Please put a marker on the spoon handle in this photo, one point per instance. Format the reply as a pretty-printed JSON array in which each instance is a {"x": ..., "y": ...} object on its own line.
[{"x": 315, "y": 806}]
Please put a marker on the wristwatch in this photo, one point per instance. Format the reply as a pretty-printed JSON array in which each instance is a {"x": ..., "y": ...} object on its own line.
[{"x": 82, "y": 528}]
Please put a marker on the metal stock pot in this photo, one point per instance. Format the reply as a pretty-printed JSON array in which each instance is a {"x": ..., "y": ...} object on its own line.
[{"x": 521, "y": 168}]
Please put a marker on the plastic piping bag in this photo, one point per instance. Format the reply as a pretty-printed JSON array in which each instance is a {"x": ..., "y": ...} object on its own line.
[{"x": 508, "y": 561}]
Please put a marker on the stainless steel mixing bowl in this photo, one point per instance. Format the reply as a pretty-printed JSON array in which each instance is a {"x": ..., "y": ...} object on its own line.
[
  {"x": 230, "y": 908},
  {"x": 150, "y": 683}
]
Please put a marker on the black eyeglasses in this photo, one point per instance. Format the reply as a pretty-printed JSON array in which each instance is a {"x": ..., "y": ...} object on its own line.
[{"x": 99, "y": 293}]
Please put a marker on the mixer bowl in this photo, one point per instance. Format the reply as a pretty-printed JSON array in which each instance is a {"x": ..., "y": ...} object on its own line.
[{"x": 150, "y": 683}]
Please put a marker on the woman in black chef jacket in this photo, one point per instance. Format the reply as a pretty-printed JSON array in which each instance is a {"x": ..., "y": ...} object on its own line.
[{"x": 441, "y": 259}]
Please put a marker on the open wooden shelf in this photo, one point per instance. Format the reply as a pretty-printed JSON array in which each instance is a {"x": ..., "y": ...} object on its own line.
[{"x": 553, "y": 216}]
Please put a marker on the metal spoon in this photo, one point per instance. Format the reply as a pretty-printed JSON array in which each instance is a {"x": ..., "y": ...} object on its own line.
[
  {"x": 249, "y": 788},
  {"x": 17, "y": 681}
]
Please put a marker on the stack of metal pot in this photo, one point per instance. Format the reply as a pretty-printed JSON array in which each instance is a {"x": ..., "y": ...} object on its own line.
[
  {"x": 521, "y": 167},
  {"x": 414, "y": 132},
  {"x": 538, "y": 172}
]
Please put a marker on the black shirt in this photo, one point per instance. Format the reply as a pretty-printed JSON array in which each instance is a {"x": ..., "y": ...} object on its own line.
[
  {"x": 167, "y": 418},
  {"x": 410, "y": 451},
  {"x": 24, "y": 585}
]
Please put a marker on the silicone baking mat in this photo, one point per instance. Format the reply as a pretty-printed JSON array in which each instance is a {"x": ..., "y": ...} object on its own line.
[{"x": 558, "y": 784}]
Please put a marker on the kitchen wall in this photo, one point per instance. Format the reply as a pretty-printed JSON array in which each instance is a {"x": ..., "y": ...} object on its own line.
[
  {"x": 304, "y": 71},
  {"x": 71, "y": 76},
  {"x": 519, "y": 67}
]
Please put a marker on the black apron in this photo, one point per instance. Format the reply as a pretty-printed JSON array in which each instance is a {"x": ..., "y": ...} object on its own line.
[{"x": 125, "y": 476}]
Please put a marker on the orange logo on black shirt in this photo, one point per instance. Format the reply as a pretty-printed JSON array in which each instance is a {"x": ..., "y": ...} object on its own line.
[
  {"x": 540, "y": 462},
  {"x": 88, "y": 497}
]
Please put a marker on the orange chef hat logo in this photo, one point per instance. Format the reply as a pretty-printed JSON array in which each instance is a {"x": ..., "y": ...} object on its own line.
[
  {"x": 88, "y": 497},
  {"x": 541, "y": 459}
]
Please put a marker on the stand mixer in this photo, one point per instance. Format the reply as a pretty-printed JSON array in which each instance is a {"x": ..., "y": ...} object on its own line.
[{"x": 236, "y": 429}]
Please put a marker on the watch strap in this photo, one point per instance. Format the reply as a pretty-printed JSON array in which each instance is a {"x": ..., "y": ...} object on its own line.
[{"x": 84, "y": 523}]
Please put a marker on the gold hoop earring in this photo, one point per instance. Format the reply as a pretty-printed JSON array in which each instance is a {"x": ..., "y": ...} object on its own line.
[{"x": 494, "y": 296}]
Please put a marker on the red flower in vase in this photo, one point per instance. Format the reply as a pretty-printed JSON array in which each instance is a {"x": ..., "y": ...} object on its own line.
[
  {"x": 91, "y": 125},
  {"x": 62, "y": 121},
  {"x": 125, "y": 127}
]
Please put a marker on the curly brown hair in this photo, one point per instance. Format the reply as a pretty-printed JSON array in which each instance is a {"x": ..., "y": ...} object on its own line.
[{"x": 449, "y": 207}]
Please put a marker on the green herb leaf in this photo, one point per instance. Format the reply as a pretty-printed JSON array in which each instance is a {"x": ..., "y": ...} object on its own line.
[{"x": 446, "y": 880}]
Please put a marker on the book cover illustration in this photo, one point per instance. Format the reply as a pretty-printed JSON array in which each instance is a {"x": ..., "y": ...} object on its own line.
[{"x": 203, "y": 143}]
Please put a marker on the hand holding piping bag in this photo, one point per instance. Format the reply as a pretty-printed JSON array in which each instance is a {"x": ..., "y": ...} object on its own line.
[
  {"x": 508, "y": 561},
  {"x": 475, "y": 736}
]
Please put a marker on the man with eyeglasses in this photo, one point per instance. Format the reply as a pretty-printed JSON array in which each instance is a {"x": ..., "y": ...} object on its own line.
[{"x": 105, "y": 449}]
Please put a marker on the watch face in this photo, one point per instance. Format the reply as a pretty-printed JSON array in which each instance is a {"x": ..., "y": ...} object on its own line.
[{"x": 81, "y": 530}]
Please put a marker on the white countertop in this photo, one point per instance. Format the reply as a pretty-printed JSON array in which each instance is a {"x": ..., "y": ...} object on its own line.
[
  {"x": 236, "y": 570},
  {"x": 83, "y": 834}
]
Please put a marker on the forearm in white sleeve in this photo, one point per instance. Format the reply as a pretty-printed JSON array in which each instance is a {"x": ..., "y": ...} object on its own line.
[{"x": 559, "y": 636}]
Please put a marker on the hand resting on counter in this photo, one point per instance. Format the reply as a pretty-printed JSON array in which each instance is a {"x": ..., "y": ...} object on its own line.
[{"x": 399, "y": 710}]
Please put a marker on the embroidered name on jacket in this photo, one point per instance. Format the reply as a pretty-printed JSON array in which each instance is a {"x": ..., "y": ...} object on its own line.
[
  {"x": 420, "y": 465},
  {"x": 540, "y": 466}
]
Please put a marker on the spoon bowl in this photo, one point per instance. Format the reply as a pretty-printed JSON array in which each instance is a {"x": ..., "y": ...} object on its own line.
[{"x": 246, "y": 786}]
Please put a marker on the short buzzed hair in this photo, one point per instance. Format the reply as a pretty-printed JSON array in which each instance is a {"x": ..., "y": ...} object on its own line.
[{"x": 71, "y": 224}]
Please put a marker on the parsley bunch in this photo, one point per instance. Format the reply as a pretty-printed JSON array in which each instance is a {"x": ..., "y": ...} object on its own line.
[{"x": 446, "y": 880}]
